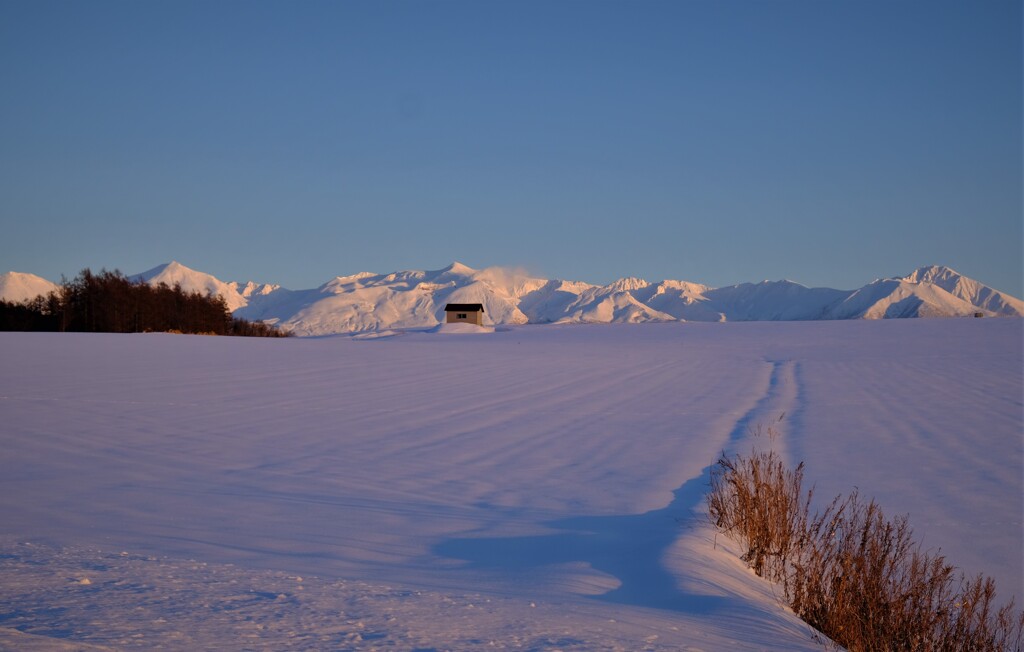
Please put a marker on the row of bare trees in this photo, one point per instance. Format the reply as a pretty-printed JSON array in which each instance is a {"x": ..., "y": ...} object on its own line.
[
  {"x": 848, "y": 570},
  {"x": 110, "y": 302}
]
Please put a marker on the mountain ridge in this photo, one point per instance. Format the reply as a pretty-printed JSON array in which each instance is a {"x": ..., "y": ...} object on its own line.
[{"x": 367, "y": 301}]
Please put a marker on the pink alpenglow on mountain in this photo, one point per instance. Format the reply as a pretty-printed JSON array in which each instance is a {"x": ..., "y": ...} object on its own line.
[
  {"x": 415, "y": 299},
  {"x": 17, "y": 287}
]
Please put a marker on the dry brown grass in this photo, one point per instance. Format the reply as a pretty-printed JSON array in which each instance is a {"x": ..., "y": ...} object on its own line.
[
  {"x": 761, "y": 503},
  {"x": 850, "y": 572}
]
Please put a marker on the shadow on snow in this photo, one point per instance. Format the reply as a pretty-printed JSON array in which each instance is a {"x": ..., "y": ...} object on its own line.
[{"x": 629, "y": 547}]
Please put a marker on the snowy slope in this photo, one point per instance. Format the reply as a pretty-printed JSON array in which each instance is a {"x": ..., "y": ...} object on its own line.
[
  {"x": 236, "y": 295},
  {"x": 538, "y": 487},
  {"x": 971, "y": 291},
  {"x": 19, "y": 286},
  {"x": 774, "y": 301},
  {"x": 896, "y": 298},
  {"x": 613, "y": 303}
]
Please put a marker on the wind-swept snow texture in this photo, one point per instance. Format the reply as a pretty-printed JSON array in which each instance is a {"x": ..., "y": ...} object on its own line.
[{"x": 539, "y": 487}]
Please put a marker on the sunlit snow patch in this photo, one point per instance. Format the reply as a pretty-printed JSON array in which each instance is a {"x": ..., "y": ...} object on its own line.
[
  {"x": 461, "y": 329},
  {"x": 375, "y": 335}
]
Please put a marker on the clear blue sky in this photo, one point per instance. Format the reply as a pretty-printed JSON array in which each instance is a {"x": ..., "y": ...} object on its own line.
[{"x": 829, "y": 142}]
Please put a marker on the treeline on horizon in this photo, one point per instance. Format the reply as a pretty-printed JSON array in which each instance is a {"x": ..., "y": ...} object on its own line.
[{"x": 110, "y": 302}]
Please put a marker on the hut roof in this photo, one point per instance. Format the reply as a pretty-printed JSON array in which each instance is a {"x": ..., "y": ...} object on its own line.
[{"x": 464, "y": 307}]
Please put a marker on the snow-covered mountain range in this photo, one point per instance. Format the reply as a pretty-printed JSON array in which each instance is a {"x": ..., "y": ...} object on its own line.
[{"x": 416, "y": 299}]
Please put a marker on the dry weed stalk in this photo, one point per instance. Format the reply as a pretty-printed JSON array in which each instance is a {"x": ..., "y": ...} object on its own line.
[{"x": 850, "y": 572}]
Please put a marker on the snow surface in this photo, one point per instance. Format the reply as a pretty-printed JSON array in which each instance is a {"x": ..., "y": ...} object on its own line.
[
  {"x": 538, "y": 488},
  {"x": 461, "y": 329}
]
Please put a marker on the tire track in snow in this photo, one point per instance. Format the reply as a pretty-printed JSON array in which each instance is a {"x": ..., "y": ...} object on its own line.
[
  {"x": 629, "y": 548},
  {"x": 782, "y": 399}
]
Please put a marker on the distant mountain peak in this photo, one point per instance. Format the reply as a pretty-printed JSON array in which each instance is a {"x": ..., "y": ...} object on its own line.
[
  {"x": 150, "y": 273},
  {"x": 173, "y": 267},
  {"x": 967, "y": 289},
  {"x": 358, "y": 276},
  {"x": 340, "y": 283},
  {"x": 190, "y": 280},
  {"x": 627, "y": 284},
  {"x": 931, "y": 273},
  {"x": 22, "y": 286},
  {"x": 458, "y": 268},
  {"x": 26, "y": 276}
]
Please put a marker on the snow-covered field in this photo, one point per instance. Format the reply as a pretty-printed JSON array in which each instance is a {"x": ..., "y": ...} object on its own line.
[{"x": 538, "y": 488}]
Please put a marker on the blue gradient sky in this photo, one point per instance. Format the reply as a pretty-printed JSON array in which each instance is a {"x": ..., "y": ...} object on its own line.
[{"x": 827, "y": 142}]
